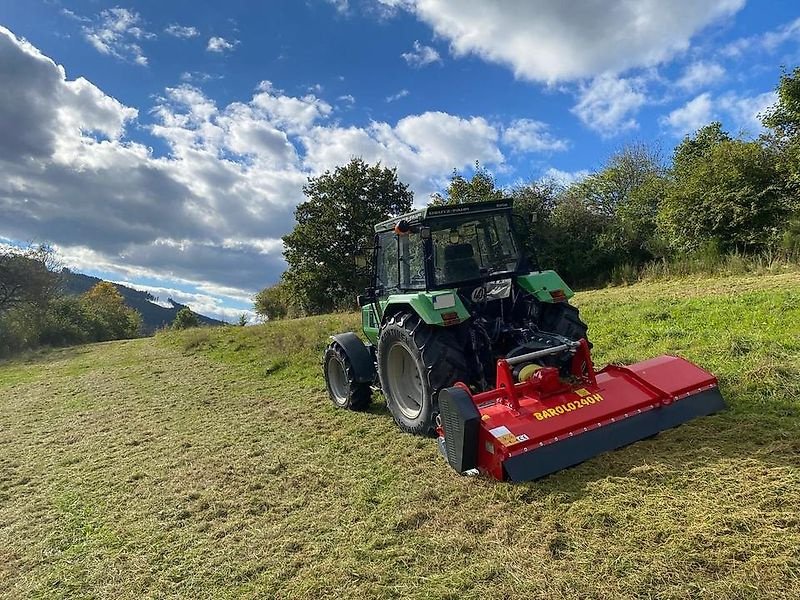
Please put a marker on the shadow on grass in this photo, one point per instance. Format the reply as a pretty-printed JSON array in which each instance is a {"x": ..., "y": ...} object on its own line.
[
  {"x": 770, "y": 435},
  {"x": 732, "y": 436},
  {"x": 44, "y": 355}
]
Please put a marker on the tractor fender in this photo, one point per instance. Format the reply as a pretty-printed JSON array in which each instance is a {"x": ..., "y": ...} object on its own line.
[{"x": 359, "y": 356}]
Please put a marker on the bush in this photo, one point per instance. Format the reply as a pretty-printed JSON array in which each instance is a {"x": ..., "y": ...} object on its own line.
[
  {"x": 185, "y": 319},
  {"x": 107, "y": 316}
]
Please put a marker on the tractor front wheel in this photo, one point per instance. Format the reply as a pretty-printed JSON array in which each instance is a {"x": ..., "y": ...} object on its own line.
[
  {"x": 415, "y": 361},
  {"x": 343, "y": 390}
]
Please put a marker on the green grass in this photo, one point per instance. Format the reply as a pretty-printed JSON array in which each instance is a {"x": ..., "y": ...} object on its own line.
[{"x": 209, "y": 463}]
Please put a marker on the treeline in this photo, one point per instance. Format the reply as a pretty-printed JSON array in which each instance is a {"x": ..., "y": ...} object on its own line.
[
  {"x": 716, "y": 195},
  {"x": 34, "y": 310}
]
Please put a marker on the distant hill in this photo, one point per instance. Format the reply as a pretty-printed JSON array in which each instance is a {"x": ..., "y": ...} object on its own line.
[{"x": 154, "y": 316}]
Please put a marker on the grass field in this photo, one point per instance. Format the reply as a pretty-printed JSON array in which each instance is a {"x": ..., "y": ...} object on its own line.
[{"x": 209, "y": 463}]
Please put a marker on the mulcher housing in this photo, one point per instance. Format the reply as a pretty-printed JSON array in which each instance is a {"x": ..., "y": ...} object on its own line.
[
  {"x": 470, "y": 341},
  {"x": 522, "y": 431}
]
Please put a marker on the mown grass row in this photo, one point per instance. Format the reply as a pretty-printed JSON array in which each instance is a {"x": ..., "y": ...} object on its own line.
[{"x": 209, "y": 463}]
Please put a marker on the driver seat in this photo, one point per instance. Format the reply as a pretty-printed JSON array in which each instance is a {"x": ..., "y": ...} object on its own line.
[{"x": 460, "y": 263}]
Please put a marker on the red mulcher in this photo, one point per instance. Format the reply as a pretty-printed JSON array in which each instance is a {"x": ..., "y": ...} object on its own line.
[{"x": 525, "y": 430}]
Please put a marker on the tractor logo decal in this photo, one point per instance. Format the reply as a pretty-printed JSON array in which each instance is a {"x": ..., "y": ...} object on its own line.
[
  {"x": 478, "y": 294},
  {"x": 568, "y": 407}
]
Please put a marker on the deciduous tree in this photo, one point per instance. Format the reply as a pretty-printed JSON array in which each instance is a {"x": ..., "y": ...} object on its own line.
[{"x": 334, "y": 224}]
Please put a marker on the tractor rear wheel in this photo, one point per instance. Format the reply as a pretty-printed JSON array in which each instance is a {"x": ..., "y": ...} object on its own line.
[
  {"x": 563, "y": 319},
  {"x": 415, "y": 362},
  {"x": 343, "y": 390}
]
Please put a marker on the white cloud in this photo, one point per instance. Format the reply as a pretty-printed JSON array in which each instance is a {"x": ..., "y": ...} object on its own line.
[
  {"x": 745, "y": 110},
  {"x": 181, "y": 31},
  {"x": 72, "y": 15},
  {"x": 220, "y": 44},
  {"x": 211, "y": 213},
  {"x": 564, "y": 178},
  {"x": 341, "y": 6},
  {"x": 401, "y": 94},
  {"x": 205, "y": 304},
  {"x": 421, "y": 56},
  {"x": 348, "y": 98},
  {"x": 789, "y": 32},
  {"x": 742, "y": 111},
  {"x": 550, "y": 41},
  {"x": 691, "y": 116},
  {"x": 700, "y": 74},
  {"x": 767, "y": 42},
  {"x": 609, "y": 104},
  {"x": 425, "y": 148},
  {"x": 527, "y": 135},
  {"x": 112, "y": 32}
]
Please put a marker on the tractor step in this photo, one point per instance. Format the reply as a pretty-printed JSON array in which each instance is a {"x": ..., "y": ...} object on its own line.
[{"x": 523, "y": 431}]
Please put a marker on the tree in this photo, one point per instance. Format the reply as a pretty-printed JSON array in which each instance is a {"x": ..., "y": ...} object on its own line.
[
  {"x": 243, "y": 320},
  {"x": 109, "y": 317},
  {"x": 534, "y": 203},
  {"x": 333, "y": 226},
  {"x": 724, "y": 191},
  {"x": 695, "y": 147},
  {"x": 274, "y": 302},
  {"x": 481, "y": 187},
  {"x": 783, "y": 120},
  {"x": 626, "y": 194},
  {"x": 185, "y": 319},
  {"x": 27, "y": 277}
]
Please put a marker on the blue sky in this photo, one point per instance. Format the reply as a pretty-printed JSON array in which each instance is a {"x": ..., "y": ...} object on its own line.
[{"x": 172, "y": 148}]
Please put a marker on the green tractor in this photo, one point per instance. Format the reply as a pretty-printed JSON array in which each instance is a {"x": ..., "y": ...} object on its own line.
[{"x": 452, "y": 292}]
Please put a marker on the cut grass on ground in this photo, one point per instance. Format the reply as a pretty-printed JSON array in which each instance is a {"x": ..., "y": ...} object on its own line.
[{"x": 209, "y": 463}]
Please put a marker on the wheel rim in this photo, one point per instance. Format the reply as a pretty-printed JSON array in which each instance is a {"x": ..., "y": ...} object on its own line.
[
  {"x": 337, "y": 380},
  {"x": 405, "y": 381}
]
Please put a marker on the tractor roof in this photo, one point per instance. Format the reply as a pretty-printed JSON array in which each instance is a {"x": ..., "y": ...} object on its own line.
[{"x": 430, "y": 212}]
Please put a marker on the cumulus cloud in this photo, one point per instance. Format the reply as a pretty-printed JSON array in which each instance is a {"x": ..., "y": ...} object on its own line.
[
  {"x": 608, "y": 104},
  {"x": 211, "y": 212},
  {"x": 700, "y": 74},
  {"x": 745, "y": 111},
  {"x": 556, "y": 41},
  {"x": 528, "y": 135},
  {"x": 220, "y": 44},
  {"x": 181, "y": 31},
  {"x": 742, "y": 111},
  {"x": 425, "y": 148},
  {"x": 421, "y": 55},
  {"x": 691, "y": 116},
  {"x": 117, "y": 32}
]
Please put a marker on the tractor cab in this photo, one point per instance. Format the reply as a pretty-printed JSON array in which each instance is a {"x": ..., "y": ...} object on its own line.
[{"x": 445, "y": 247}]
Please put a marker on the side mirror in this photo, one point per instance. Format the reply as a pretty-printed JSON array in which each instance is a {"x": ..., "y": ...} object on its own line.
[
  {"x": 367, "y": 298},
  {"x": 361, "y": 261}
]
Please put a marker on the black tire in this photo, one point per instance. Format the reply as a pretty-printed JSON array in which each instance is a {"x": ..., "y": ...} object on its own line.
[
  {"x": 344, "y": 392},
  {"x": 563, "y": 319},
  {"x": 437, "y": 360}
]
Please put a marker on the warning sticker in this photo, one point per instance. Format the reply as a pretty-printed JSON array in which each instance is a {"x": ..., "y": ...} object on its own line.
[
  {"x": 507, "y": 439},
  {"x": 583, "y": 392},
  {"x": 498, "y": 431},
  {"x": 504, "y": 435}
]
